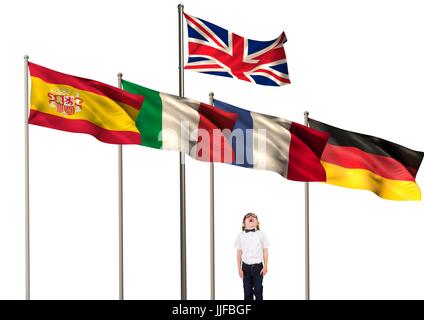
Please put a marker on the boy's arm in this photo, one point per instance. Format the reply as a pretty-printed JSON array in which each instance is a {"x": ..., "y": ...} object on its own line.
[
  {"x": 240, "y": 270},
  {"x": 265, "y": 268}
]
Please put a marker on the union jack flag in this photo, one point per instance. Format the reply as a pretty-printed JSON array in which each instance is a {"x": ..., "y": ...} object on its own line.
[{"x": 214, "y": 50}]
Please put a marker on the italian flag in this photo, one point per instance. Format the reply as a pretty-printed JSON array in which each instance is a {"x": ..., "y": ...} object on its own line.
[{"x": 176, "y": 123}]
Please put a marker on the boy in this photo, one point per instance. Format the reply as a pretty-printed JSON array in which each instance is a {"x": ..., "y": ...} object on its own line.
[{"x": 252, "y": 257}]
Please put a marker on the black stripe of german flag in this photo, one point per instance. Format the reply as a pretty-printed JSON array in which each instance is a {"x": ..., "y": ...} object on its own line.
[{"x": 360, "y": 161}]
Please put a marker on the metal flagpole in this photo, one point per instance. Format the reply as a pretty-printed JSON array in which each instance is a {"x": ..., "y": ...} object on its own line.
[
  {"x": 183, "y": 248},
  {"x": 27, "y": 256},
  {"x": 212, "y": 220},
  {"x": 307, "y": 280},
  {"x": 120, "y": 214}
]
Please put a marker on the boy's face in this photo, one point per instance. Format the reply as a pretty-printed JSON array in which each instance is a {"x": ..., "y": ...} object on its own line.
[{"x": 251, "y": 222}]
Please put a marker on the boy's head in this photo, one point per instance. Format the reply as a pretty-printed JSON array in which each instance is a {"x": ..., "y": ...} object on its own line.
[{"x": 250, "y": 221}]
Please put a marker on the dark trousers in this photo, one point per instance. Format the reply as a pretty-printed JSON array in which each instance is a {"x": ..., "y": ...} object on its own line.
[{"x": 252, "y": 281}]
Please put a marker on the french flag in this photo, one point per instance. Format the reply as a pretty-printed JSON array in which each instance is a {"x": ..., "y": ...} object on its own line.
[{"x": 266, "y": 142}]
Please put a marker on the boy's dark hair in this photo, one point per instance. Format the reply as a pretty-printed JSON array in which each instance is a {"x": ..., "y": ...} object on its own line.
[{"x": 247, "y": 215}]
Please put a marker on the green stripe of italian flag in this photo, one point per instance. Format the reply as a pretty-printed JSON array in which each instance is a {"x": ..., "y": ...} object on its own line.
[{"x": 176, "y": 123}]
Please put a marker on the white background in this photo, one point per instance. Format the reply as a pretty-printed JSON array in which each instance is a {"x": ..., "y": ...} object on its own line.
[{"x": 357, "y": 65}]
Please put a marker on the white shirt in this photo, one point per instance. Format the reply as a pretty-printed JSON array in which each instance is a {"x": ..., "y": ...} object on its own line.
[{"x": 252, "y": 245}]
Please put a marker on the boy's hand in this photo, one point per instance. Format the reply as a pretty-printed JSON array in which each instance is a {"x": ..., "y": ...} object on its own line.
[
  {"x": 264, "y": 271},
  {"x": 241, "y": 273}
]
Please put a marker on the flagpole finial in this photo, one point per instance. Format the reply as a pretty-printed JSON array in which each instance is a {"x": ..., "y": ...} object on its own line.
[
  {"x": 119, "y": 75},
  {"x": 211, "y": 94},
  {"x": 306, "y": 118},
  {"x": 181, "y": 6},
  {"x": 26, "y": 57}
]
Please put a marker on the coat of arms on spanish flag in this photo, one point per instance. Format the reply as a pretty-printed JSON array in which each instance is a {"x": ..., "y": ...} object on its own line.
[{"x": 69, "y": 103}]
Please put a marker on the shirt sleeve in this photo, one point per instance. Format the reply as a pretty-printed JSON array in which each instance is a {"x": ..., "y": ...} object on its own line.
[
  {"x": 237, "y": 243},
  {"x": 265, "y": 242}
]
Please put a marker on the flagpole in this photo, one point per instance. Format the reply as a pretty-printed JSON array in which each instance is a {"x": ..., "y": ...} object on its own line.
[
  {"x": 120, "y": 213},
  {"x": 183, "y": 248},
  {"x": 307, "y": 280},
  {"x": 212, "y": 219},
  {"x": 27, "y": 239}
]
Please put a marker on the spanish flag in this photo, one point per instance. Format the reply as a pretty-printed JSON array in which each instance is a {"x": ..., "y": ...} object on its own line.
[
  {"x": 360, "y": 161},
  {"x": 64, "y": 102}
]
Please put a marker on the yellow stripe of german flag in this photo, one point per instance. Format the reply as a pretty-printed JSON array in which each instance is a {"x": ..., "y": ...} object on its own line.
[{"x": 367, "y": 180}]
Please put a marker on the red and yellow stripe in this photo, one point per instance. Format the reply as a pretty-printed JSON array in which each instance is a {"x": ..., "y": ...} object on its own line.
[
  {"x": 105, "y": 112},
  {"x": 364, "y": 179},
  {"x": 352, "y": 167},
  {"x": 387, "y": 177}
]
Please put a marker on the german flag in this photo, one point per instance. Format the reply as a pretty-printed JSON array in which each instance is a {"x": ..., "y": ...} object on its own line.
[
  {"x": 64, "y": 102},
  {"x": 360, "y": 161}
]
